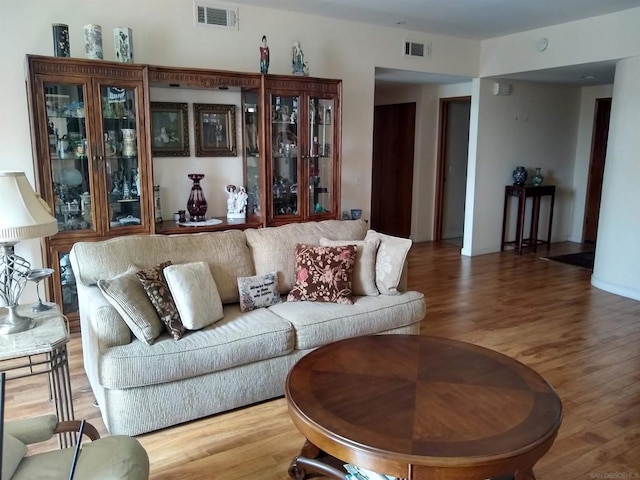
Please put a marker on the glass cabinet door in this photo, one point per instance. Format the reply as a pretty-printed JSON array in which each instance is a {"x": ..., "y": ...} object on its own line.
[
  {"x": 120, "y": 135},
  {"x": 251, "y": 151},
  {"x": 285, "y": 151},
  {"x": 321, "y": 151},
  {"x": 69, "y": 156}
]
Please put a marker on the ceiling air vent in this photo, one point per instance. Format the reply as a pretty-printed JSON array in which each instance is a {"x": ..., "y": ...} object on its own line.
[
  {"x": 412, "y": 49},
  {"x": 216, "y": 16}
]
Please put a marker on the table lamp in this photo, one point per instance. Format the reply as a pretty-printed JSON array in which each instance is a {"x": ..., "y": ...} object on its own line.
[{"x": 23, "y": 215}]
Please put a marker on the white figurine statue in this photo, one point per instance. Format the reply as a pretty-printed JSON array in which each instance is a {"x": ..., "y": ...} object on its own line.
[
  {"x": 236, "y": 202},
  {"x": 241, "y": 200}
]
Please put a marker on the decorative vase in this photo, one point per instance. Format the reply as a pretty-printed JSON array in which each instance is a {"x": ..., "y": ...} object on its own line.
[
  {"x": 197, "y": 204},
  {"x": 519, "y": 176},
  {"x": 61, "y": 40},
  {"x": 129, "y": 148},
  {"x": 123, "y": 44},
  {"x": 537, "y": 178},
  {"x": 93, "y": 41}
]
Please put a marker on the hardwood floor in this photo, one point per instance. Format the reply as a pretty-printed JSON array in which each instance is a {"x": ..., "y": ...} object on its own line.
[{"x": 584, "y": 341}]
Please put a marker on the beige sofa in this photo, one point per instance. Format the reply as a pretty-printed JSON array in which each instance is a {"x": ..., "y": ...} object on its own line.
[{"x": 242, "y": 358}]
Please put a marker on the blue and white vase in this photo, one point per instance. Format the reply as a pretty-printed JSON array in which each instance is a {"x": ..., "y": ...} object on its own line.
[
  {"x": 93, "y": 41},
  {"x": 519, "y": 176},
  {"x": 61, "y": 40},
  {"x": 123, "y": 44}
]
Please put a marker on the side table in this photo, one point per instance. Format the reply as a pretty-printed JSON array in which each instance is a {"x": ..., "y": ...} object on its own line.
[
  {"x": 43, "y": 349},
  {"x": 522, "y": 192}
]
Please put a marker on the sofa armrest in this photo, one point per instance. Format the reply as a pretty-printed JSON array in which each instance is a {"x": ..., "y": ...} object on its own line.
[{"x": 102, "y": 320}]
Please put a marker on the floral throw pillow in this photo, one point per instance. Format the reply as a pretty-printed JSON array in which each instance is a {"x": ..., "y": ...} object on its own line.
[
  {"x": 158, "y": 291},
  {"x": 323, "y": 274}
]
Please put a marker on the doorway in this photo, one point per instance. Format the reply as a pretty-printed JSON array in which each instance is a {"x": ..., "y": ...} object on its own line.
[
  {"x": 596, "y": 170},
  {"x": 453, "y": 151},
  {"x": 392, "y": 168}
]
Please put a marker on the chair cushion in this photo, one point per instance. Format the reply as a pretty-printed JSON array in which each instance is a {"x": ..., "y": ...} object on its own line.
[
  {"x": 12, "y": 454},
  {"x": 126, "y": 294},
  {"x": 195, "y": 294},
  {"x": 114, "y": 457}
]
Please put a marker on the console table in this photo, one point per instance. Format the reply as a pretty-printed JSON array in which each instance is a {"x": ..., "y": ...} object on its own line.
[
  {"x": 522, "y": 192},
  {"x": 42, "y": 350}
]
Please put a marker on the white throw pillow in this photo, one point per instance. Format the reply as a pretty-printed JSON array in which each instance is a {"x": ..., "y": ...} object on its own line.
[
  {"x": 127, "y": 295},
  {"x": 390, "y": 260},
  {"x": 195, "y": 293},
  {"x": 364, "y": 271},
  {"x": 258, "y": 291}
]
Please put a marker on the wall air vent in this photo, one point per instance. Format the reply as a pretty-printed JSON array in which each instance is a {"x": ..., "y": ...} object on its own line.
[
  {"x": 216, "y": 16},
  {"x": 413, "y": 49}
]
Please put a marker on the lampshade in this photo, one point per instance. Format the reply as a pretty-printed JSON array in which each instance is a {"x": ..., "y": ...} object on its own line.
[{"x": 23, "y": 215}]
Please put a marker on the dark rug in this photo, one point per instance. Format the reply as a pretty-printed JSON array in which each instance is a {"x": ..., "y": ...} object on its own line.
[{"x": 582, "y": 259}]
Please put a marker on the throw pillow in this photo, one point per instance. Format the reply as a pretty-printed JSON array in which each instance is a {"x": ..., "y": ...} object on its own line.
[
  {"x": 12, "y": 454},
  {"x": 323, "y": 274},
  {"x": 258, "y": 291},
  {"x": 195, "y": 294},
  {"x": 364, "y": 270},
  {"x": 390, "y": 260},
  {"x": 126, "y": 294},
  {"x": 155, "y": 285}
]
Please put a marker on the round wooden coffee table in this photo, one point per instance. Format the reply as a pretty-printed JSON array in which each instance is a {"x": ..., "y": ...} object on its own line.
[{"x": 419, "y": 407}]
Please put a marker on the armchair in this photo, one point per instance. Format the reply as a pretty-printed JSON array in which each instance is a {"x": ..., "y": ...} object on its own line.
[{"x": 116, "y": 457}]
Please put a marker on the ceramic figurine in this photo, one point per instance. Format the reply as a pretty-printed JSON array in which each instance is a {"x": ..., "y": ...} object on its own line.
[
  {"x": 297, "y": 60},
  {"x": 264, "y": 56}
]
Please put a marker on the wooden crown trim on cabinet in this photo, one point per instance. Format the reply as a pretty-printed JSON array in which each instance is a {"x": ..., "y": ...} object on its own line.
[
  {"x": 39, "y": 65},
  {"x": 202, "y": 78}
]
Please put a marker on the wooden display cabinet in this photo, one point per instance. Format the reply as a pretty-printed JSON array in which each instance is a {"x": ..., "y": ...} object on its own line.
[
  {"x": 91, "y": 155},
  {"x": 302, "y": 121}
]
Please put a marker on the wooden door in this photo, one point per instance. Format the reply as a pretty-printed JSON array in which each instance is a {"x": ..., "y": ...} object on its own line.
[
  {"x": 596, "y": 169},
  {"x": 392, "y": 175},
  {"x": 453, "y": 150}
]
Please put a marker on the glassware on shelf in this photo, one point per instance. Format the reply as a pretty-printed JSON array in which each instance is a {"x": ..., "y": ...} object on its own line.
[
  {"x": 197, "y": 204},
  {"x": 36, "y": 275}
]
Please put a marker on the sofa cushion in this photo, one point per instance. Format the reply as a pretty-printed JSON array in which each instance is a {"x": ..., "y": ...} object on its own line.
[
  {"x": 238, "y": 339},
  {"x": 323, "y": 274},
  {"x": 127, "y": 295},
  {"x": 273, "y": 248},
  {"x": 258, "y": 291},
  {"x": 226, "y": 254},
  {"x": 155, "y": 285},
  {"x": 319, "y": 323},
  {"x": 364, "y": 270},
  {"x": 390, "y": 261},
  {"x": 195, "y": 294}
]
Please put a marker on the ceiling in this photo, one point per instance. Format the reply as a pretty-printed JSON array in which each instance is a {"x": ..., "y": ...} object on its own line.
[{"x": 472, "y": 19}]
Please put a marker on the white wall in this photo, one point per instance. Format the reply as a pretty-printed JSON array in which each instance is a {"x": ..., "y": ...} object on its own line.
[
  {"x": 583, "y": 155},
  {"x": 618, "y": 247},
  {"x": 164, "y": 34},
  {"x": 535, "y": 126}
]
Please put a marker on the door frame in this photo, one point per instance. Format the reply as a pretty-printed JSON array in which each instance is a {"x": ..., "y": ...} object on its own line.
[{"x": 441, "y": 161}]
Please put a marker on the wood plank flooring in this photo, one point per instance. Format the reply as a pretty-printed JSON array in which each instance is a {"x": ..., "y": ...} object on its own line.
[{"x": 584, "y": 341}]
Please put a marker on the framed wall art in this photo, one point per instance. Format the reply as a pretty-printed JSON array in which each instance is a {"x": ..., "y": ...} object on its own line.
[
  {"x": 215, "y": 129},
  {"x": 170, "y": 129}
]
